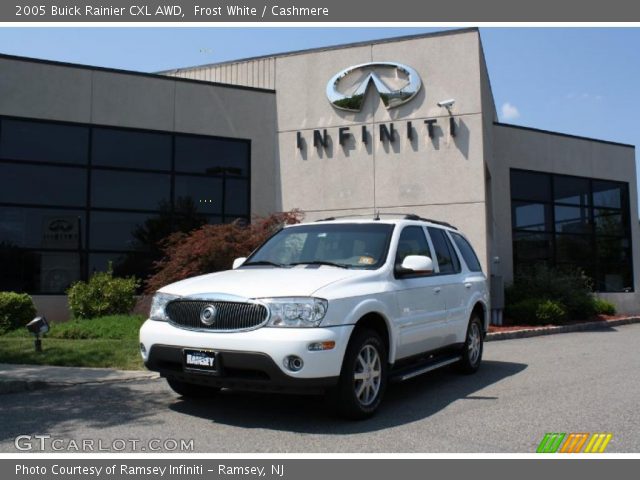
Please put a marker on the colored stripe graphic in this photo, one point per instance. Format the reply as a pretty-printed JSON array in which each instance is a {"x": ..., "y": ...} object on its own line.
[
  {"x": 573, "y": 442},
  {"x": 598, "y": 443},
  {"x": 550, "y": 443}
]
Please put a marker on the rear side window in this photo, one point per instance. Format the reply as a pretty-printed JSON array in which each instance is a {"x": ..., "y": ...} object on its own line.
[
  {"x": 447, "y": 258},
  {"x": 466, "y": 250}
]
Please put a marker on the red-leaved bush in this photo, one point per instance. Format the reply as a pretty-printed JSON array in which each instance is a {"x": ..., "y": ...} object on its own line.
[{"x": 212, "y": 248}]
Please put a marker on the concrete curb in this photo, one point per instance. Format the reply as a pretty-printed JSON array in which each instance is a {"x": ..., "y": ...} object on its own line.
[
  {"x": 577, "y": 327},
  {"x": 15, "y": 386},
  {"x": 23, "y": 378}
]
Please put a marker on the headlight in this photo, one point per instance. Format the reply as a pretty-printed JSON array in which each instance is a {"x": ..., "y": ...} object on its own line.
[
  {"x": 295, "y": 312},
  {"x": 158, "y": 305}
]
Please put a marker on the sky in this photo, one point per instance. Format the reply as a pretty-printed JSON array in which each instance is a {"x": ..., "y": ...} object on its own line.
[{"x": 581, "y": 81}]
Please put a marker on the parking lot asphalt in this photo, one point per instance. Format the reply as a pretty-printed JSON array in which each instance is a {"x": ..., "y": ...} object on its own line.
[{"x": 574, "y": 382}]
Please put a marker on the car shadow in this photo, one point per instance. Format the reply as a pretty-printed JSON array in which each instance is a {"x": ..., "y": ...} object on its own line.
[
  {"x": 62, "y": 410},
  {"x": 404, "y": 403}
]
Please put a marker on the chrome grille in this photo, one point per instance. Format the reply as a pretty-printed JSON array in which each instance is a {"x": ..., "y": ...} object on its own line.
[{"x": 230, "y": 316}]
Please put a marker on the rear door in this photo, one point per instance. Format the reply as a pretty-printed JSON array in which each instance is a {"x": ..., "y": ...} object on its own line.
[
  {"x": 451, "y": 278},
  {"x": 420, "y": 315}
]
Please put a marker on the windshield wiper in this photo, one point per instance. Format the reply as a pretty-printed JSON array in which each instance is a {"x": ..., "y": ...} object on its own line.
[
  {"x": 321, "y": 262},
  {"x": 263, "y": 262}
]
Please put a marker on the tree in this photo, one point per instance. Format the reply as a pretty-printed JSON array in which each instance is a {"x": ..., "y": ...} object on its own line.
[{"x": 212, "y": 248}]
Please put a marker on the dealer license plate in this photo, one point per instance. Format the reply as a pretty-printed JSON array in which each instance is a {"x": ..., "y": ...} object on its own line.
[{"x": 200, "y": 360}]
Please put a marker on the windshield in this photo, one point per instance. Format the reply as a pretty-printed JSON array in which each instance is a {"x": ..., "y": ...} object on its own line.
[{"x": 346, "y": 245}]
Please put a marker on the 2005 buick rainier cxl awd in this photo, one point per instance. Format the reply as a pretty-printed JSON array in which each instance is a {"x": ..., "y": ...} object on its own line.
[{"x": 336, "y": 306}]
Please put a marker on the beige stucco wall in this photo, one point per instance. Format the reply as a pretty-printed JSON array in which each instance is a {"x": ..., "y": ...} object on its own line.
[{"x": 441, "y": 178}]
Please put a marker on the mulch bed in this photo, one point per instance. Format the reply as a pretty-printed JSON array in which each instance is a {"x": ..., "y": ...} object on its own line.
[{"x": 511, "y": 327}]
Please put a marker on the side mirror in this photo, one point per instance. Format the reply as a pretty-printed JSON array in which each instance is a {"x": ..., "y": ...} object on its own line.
[
  {"x": 238, "y": 262},
  {"x": 416, "y": 264}
]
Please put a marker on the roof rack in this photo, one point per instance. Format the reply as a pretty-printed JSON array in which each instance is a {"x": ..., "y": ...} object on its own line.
[
  {"x": 377, "y": 215},
  {"x": 412, "y": 216}
]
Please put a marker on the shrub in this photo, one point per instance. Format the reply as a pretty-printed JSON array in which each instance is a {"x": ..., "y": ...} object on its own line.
[
  {"x": 523, "y": 311},
  {"x": 604, "y": 307},
  {"x": 16, "y": 310},
  {"x": 569, "y": 288},
  {"x": 102, "y": 295},
  {"x": 212, "y": 248},
  {"x": 550, "y": 311}
]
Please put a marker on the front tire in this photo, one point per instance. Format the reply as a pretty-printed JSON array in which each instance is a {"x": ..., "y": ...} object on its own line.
[
  {"x": 191, "y": 390},
  {"x": 363, "y": 378},
  {"x": 473, "y": 346}
]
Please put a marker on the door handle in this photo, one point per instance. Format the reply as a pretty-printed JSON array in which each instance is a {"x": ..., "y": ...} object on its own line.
[
  {"x": 437, "y": 290},
  {"x": 467, "y": 285}
]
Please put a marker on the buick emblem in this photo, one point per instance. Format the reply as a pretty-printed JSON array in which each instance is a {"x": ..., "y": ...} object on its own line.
[
  {"x": 395, "y": 83},
  {"x": 208, "y": 315}
]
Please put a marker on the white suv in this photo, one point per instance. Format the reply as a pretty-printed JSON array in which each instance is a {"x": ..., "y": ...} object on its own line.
[{"x": 336, "y": 306}]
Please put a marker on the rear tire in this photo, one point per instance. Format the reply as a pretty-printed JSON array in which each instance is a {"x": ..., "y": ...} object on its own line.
[
  {"x": 191, "y": 390},
  {"x": 363, "y": 378},
  {"x": 473, "y": 346}
]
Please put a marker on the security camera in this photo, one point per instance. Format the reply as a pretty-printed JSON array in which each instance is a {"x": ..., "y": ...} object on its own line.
[{"x": 448, "y": 104}]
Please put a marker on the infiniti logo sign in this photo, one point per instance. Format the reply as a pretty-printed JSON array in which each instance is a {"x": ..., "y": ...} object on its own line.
[
  {"x": 395, "y": 83},
  {"x": 208, "y": 315}
]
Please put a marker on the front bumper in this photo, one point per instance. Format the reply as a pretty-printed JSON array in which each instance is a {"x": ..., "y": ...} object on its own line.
[{"x": 249, "y": 360}]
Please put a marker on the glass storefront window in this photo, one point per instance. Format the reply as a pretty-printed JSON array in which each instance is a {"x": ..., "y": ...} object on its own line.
[
  {"x": 608, "y": 194},
  {"x": 131, "y": 149},
  {"x": 115, "y": 230},
  {"x": 531, "y": 216},
  {"x": 28, "y": 227},
  {"x": 572, "y": 190},
  {"x": 236, "y": 196},
  {"x": 43, "y": 141},
  {"x": 38, "y": 271},
  {"x": 531, "y": 186},
  {"x": 75, "y": 197},
  {"x": 572, "y": 219},
  {"x": 129, "y": 190},
  {"x": 585, "y": 223},
  {"x": 211, "y": 156},
  {"x": 43, "y": 184},
  {"x": 205, "y": 192}
]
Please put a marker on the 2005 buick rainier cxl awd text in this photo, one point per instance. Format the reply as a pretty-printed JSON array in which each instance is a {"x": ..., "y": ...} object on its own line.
[{"x": 340, "y": 306}]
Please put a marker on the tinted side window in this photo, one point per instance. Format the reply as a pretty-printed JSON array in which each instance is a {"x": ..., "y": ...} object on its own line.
[
  {"x": 447, "y": 259},
  {"x": 466, "y": 250},
  {"x": 412, "y": 242}
]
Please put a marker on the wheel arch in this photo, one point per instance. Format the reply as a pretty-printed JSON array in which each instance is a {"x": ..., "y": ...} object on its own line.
[
  {"x": 378, "y": 323},
  {"x": 480, "y": 309}
]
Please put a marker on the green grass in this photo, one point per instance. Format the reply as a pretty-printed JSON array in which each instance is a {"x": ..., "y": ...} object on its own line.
[
  {"x": 116, "y": 327},
  {"x": 110, "y": 342}
]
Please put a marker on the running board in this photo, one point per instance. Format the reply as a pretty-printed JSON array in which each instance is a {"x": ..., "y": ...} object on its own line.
[{"x": 406, "y": 374}]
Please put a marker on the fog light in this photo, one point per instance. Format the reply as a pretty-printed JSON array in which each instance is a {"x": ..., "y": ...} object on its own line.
[
  {"x": 318, "y": 346},
  {"x": 143, "y": 350},
  {"x": 293, "y": 363}
]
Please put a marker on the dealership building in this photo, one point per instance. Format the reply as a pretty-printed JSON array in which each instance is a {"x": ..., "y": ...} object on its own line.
[{"x": 93, "y": 161}]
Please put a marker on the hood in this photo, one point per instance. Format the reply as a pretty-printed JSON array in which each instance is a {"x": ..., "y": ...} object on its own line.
[{"x": 257, "y": 282}]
